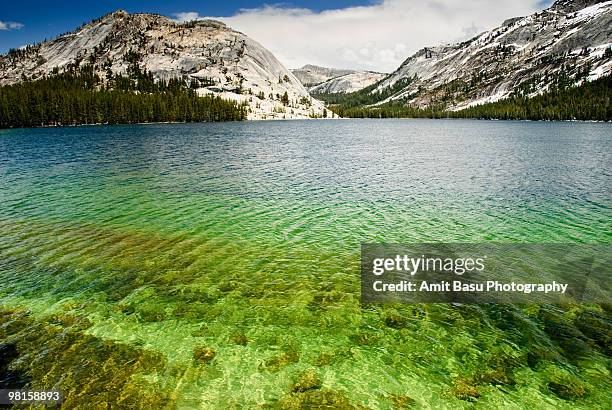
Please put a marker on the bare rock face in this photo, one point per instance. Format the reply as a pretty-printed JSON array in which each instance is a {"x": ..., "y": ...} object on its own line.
[
  {"x": 226, "y": 62},
  {"x": 348, "y": 83},
  {"x": 332, "y": 80},
  {"x": 311, "y": 75},
  {"x": 568, "y": 43}
]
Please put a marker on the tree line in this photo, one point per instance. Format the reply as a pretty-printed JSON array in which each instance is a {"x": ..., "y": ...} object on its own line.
[
  {"x": 588, "y": 101},
  {"x": 78, "y": 96}
]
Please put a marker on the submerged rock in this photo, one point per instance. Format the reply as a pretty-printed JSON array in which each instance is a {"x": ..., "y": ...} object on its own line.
[
  {"x": 8, "y": 352},
  {"x": 598, "y": 328},
  {"x": 276, "y": 363},
  {"x": 394, "y": 320},
  {"x": 203, "y": 354},
  {"x": 324, "y": 359},
  {"x": 316, "y": 399},
  {"x": 239, "y": 338},
  {"x": 85, "y": 368},
  {"x": 10, "y": 379},
  {"x": 464, "y": 389},
  {"x": 307, "y": 381},
  {"x": 569, "y": 390},
  {"x": 401, "y": 401}
]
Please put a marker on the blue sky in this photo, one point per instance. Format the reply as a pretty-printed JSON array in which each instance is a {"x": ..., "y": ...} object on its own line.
[
  {"x": 46, "y": 19},
  {"x": 373, "y": 35}
]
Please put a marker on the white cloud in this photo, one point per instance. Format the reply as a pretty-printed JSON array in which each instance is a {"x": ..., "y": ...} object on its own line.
[
  {"x": 187, "y": 16},
  {"x": 10, "y": 25},
  {"x": 375, "y": 37}
]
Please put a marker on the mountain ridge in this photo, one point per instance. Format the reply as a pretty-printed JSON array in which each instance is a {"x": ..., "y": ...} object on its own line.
[
  {"x": 566, "y": 43},
  {"x": 217, "y": 59},
  {"x": 325, "y": 80}
]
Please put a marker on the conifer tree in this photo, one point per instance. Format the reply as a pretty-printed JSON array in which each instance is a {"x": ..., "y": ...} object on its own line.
[{"x": 285, "y": 98}]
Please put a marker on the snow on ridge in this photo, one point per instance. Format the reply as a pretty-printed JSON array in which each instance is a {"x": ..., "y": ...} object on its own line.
[
  {"x": 528, "y": 51},
  {"x": 595, "y": 9}
]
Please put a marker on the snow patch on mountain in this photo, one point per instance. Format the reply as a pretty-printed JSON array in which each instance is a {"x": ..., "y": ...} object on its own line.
[{"x": 570, "y": 41}]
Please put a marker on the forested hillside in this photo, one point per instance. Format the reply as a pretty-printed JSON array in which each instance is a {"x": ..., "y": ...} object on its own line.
[
  {"x": 79, "y": 96},
  {"x": 589, "y": 101},
  {"x": 206, "y": 53}
]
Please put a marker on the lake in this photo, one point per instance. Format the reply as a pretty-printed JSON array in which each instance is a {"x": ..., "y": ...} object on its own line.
[{"x": 217, "y": 265}]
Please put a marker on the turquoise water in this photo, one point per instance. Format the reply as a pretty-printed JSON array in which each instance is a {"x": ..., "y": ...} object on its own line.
[{"x": 216, "y": 265}]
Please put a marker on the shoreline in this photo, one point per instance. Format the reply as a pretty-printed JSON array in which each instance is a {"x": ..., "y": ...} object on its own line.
[{"x": 309, "y": 119}]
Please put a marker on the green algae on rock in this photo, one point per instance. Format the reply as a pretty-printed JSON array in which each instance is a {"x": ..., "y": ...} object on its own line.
[
  {"x": 57, "y": 355},
  {"x": 309, "y": 380},
  {"x": 203, "y": 354}
]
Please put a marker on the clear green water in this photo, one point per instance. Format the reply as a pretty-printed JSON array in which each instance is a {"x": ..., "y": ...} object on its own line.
[{"x": 216, "y": 265}]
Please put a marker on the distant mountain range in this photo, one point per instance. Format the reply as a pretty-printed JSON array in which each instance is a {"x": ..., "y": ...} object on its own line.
[
  {"x": 322, "y": 80},
  {"x": 565, "y": 45},
  {"x": 219, "y": 60}
]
